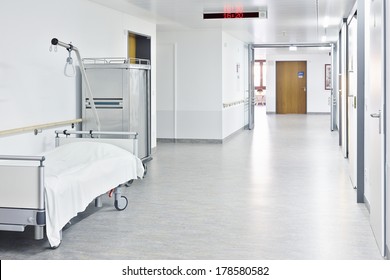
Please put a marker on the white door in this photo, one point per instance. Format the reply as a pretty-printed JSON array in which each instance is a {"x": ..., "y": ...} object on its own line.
[
  {"x": 247, "y": 80},
  {"x": 166, "y": 98},
  {"x": 352, "y": 99},
  {"x": 343, "y": 94},
  {"x": 375, "y": 145},
  {"x": 387, "y": 199},
  {"x": 334, "y": 91},
  {"x": 251, "y": 102}
]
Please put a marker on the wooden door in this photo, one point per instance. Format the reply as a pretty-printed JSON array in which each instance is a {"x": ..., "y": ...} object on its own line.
[
  {"x": 291, "y": 87},
  {"x": 131, "y": 46}
]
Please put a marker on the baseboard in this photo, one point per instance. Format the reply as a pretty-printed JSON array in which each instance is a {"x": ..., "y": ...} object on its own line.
[
  {"x": 308, "y": 113},
  {"x": 238, "y": 131},
  {"x": 387, "y": 253},
  {"x": 194, "y": 141},
  {"x": 207, "y": 141},
  {"x": 166, "y": 140},
  {"x": 367, "y": 203},
  {"x": 317, "y": 113},
  {"x": 191, "y": 141}
]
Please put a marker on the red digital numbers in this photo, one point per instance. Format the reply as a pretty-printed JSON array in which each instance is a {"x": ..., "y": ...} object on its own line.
[
  {"x": 227, "y": 10},
  {"x": 236, "y": 11},
  {"x": 239, "y": 11}
]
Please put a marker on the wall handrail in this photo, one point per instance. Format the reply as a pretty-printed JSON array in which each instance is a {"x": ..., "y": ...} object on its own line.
[
  {"x": 234, "y": 103},
  {"x": 37, "y": 128}
]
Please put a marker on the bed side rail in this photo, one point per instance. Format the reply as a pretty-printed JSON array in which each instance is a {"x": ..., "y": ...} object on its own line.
[
  {"x": 125, "y": 140},
  {"x": 91, "y": 133},
  {"x": 41, "y": 159}
]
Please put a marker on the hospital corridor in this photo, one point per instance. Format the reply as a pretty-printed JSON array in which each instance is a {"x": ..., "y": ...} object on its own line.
[
  {"x": 194, "y": 130},
  {"x": 280, "y": 191}
]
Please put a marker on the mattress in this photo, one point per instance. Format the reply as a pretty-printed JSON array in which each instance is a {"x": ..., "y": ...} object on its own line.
[{"x": 77, "y": 173}]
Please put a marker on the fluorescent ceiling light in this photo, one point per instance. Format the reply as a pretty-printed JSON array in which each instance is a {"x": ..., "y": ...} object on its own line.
[
  {"x": 293, "y": 48},
  {"x": 326, "y": 22}
]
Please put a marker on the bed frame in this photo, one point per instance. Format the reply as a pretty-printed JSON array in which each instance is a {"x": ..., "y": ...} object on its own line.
[{"x": 22, "y": 188}]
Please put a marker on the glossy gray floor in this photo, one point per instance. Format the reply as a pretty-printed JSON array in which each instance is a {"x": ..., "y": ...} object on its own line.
[{"x": 279, "y": 192}]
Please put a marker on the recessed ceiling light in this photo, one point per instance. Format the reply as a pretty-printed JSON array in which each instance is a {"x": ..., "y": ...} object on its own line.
[
  {"x": 293, "y": 48},
  {"x": 326, "y": 22}
]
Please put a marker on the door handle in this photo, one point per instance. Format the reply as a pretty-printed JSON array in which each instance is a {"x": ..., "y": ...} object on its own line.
[{"x": 378, "y": 116}]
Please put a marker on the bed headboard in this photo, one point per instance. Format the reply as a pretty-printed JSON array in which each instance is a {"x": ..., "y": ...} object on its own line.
[{"x": 124, "y": 140}]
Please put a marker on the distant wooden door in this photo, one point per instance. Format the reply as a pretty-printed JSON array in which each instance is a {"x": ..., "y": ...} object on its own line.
[{"x": 291, "y": 87}]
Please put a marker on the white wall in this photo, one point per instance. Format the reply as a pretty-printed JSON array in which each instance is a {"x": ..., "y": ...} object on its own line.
[
  {"x": 234, "y": 55},
  {"x": 167, "y": 93},
  {"x": 234, "y": 83},
  {"x": 317, "y": 96},
  {"x": 199, "y": 71},
  {"x": 335, "y": 76},
  {"x": 33, "y": 87},
  {"x": 198, "y": 82}
]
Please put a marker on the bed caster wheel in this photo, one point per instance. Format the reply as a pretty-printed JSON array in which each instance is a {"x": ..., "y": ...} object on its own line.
[
  {"x": 121, "y": 203},
  {"x": 129, "y": 183},
  {"x": 145, "y": 169}
]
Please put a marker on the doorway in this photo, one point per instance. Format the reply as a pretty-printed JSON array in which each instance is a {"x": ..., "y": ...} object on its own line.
[
  {"x": 139, "y": 56},
  {"x": 291, "y": 97},
  {"x": 138, "y": 46}
]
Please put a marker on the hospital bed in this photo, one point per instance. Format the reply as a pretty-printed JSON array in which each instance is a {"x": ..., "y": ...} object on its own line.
[{"x": 50, "y": 189}]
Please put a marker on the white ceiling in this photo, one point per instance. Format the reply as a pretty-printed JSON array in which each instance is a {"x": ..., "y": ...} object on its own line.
[{"x": 289, "y": 21}]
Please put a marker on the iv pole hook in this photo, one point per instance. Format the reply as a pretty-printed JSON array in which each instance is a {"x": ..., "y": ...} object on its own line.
[
  {"x": 69, "y": 64},
  {"x": 55, "y": 42}
]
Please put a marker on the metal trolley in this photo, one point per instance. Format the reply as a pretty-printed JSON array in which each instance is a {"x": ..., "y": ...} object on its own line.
[{"x": 121, "y": 93}]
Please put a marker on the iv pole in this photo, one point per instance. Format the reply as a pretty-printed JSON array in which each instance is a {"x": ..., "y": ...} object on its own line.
[{"x": 70, "y": 48}]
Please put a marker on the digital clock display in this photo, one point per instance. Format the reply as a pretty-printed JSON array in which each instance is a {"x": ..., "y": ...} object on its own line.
[
  {"x": 231, "y": 12},
  {"x": 230, "y": 15}
]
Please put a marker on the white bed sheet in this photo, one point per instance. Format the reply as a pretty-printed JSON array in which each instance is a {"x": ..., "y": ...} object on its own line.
[{"x": 77, "y": 173}]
